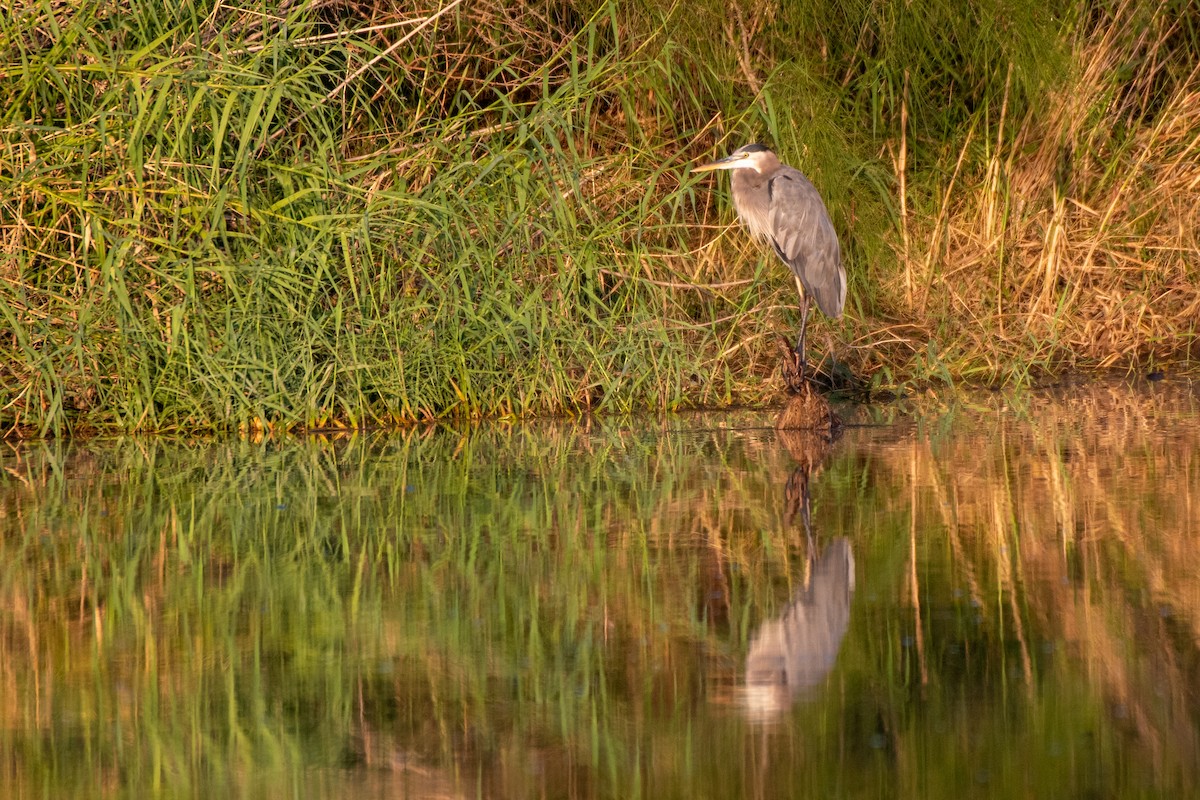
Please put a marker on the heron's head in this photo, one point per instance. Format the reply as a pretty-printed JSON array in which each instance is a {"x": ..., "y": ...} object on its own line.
[{"x": 752, "y": 156}]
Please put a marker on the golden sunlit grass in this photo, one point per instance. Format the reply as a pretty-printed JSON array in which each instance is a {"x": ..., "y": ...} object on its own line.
[{"x": 1077, "y": 245}]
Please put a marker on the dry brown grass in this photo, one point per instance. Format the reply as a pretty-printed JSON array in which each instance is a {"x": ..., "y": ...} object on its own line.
[{"x": 1076, "y": 246}]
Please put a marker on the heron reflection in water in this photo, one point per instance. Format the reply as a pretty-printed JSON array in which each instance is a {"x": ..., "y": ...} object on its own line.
[{"x": 795, "y": 651}]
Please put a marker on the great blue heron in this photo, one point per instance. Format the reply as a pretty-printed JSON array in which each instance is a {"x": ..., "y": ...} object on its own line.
[{"x": 777, "y": 203}]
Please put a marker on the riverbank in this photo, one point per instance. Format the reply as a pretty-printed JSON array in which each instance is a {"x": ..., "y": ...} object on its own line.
[{"x": 351, "y": 215}]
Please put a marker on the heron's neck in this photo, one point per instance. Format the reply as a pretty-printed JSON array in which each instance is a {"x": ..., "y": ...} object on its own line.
[{"x": 751, "y": 201}]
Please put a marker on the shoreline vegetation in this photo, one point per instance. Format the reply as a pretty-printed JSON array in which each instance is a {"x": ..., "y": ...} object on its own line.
[{"x": 301, "y": 215}]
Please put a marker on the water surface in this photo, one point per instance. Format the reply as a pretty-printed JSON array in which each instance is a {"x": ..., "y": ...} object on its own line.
[{"x": 996, "y": 596}]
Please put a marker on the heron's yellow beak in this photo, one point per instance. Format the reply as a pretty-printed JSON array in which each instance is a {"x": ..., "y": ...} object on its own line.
[{"x": 723, "y": 163}]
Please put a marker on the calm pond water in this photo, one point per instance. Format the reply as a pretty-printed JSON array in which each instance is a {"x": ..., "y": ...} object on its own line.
[{"x": 996, "y": 597}]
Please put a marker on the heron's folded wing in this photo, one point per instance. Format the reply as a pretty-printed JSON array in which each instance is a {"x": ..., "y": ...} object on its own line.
[{"x": 804, "y": 238}]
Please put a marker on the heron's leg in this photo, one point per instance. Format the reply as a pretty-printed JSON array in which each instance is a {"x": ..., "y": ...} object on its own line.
[
  {"x": 804, "y": 307},
  {"x": 800, "y": 354}
]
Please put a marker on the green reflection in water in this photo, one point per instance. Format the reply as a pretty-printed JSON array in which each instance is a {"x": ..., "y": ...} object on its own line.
[{"x": 571, "y": 609}]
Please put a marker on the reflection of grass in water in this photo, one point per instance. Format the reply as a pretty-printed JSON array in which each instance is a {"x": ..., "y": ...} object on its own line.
[
  {"x": 560, "y": 606},
  {"x": 243, "y": 592},
  {"x": 1069, "y": 533}
]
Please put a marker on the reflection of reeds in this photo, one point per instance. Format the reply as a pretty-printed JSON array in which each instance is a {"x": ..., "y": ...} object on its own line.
[
  {"x": 577, "y": 594},
  {"x": 1078, "y": 526},
  {"x": 186, "y": 580}
]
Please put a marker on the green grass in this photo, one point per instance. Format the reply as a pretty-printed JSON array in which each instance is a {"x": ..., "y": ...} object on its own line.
[{"x": 217, "y": 218}]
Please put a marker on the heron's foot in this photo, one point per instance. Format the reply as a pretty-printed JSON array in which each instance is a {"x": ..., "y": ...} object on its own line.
[{"x": 795, "y": 370}]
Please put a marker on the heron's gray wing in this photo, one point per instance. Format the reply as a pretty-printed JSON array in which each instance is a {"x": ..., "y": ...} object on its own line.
[{"x": 804, "y": 238}]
